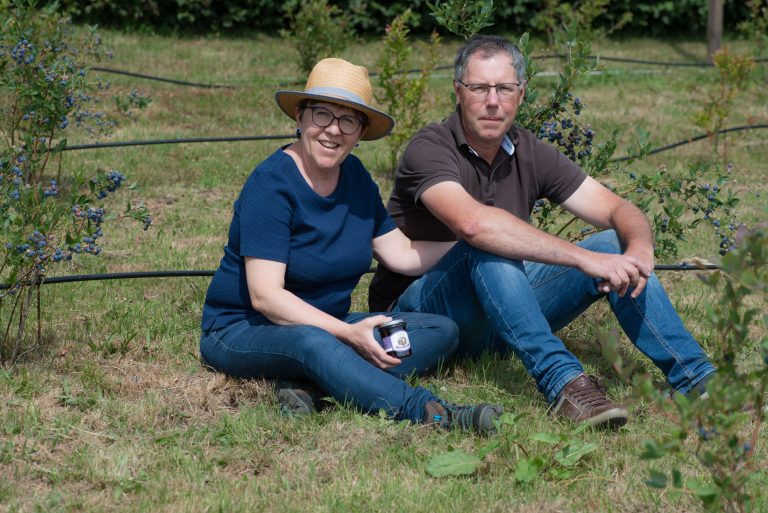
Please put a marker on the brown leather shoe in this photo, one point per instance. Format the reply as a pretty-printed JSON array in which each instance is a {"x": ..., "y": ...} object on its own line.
[{"x": 583, "y": 400}]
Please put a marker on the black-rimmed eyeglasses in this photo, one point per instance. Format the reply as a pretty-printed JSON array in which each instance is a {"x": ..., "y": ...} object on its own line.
[
  {"x": 323, "y": 117},
  {"x": 505, "y": 89}
]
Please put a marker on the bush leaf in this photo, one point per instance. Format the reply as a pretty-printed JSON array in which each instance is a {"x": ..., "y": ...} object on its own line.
[
  {"x": 453, "y": 463},
  {"x": 573, "y": 452}
]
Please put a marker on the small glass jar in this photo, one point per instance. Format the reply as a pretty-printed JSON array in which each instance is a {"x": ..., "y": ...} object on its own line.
[{"x": 394, "y": 339}]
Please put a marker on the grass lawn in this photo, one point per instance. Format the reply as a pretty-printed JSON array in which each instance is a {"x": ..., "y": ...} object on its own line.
[{"x": 115, "y": 413}]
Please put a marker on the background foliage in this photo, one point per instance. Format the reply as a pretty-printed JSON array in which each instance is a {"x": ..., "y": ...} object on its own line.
[
  {"x": 681, "y": 17},
  {"x": 113, "y": 411}
]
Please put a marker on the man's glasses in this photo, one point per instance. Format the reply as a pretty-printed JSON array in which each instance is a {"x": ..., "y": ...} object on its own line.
[
  {"x": 323, "y": 117},
  {"x": 503, "y": 90}
]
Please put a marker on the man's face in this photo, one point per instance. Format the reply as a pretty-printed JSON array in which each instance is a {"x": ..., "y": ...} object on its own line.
[{"x": 487, "y": 116}]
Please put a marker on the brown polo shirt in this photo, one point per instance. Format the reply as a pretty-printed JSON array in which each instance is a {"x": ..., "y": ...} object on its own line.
[{"x": 530, "y": 170}]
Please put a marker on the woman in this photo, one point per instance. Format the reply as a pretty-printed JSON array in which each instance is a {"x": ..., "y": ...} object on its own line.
[{"x": 304, "y": 229}]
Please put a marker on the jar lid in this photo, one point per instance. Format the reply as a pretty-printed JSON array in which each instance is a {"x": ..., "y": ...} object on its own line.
[{"x": 394, "y": 323}]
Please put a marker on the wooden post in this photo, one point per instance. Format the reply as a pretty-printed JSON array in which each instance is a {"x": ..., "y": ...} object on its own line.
[{"x": 714, "y": 28}]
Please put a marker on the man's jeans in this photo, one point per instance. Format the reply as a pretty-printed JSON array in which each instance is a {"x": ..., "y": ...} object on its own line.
[
  {"x": 501, "y": 305},
  {"x": 259, "y": 349}
]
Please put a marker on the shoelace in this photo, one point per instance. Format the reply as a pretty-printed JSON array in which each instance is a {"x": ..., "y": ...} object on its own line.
[
  {"x": 457, "y": 415},
  {"x": 592, "y": 396}
]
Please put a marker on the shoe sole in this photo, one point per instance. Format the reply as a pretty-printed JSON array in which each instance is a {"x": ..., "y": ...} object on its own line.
[
  {"x": 612, "y": 419},
  {"x": 487, "y": 419},
  {"x": 294, "y": 403}
]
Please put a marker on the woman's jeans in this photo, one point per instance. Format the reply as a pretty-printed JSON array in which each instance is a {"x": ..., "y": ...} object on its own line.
[
  {"x": 255, "y": 349},
  {"x": 502, "y": 305}
]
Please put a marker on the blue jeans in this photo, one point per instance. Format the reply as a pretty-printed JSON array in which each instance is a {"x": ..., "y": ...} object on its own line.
[
  {"x": 259, "y": 349},
  {"x": 502, "y": 305}
]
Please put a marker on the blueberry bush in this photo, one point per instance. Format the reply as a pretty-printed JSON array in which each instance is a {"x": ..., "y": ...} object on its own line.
[
  {"x": 401, "y": 92},
  {"x": 45, "y": 220},
  {"x": 721, "y": 428},
  {"x": 317, "y": 30},
  {"x": 734, "y": 72},
  {"x": 676, "y": 203}
]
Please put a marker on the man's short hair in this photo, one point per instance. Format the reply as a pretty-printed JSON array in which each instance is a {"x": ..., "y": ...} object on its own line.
[{"x": 488, "y": 46}]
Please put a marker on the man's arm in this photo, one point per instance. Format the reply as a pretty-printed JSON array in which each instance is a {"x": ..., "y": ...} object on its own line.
[
  {"x": 599, "y": 206},
  {"x": 497, "y": 231}
]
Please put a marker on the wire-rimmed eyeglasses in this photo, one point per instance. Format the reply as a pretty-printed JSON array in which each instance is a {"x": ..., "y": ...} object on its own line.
[{"x": 503, "y": 90}]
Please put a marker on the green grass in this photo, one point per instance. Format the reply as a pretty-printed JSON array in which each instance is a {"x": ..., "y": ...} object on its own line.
[{"x": 114, "y": 413}]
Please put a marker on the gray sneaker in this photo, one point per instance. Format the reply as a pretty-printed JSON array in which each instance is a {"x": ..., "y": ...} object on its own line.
[
  {"x": 583, "y": 400},
  {"x": 296, "y": 397},
  {"x": 480, "y": 418}
]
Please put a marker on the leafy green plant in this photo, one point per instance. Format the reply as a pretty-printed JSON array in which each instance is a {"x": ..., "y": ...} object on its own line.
[
  {"x": 133, "y": 100},
  {"x": 464, "y": 18},
  {"x": 755, "y": 27},
  {"x": 675, "y": 202},
  {"x": 734, "y": 73},
  {"x": 578, "y": 19},
  {"x": 543, "y": 455},
  {"x": 722, "y": 430},
  {"x": 317, "y": 30},
  {"x": 44, "y": 222},
  {"x": 402, "y": 93}
]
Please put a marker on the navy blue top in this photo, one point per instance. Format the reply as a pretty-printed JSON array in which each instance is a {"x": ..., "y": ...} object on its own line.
[{"x": 325, "y": 242}]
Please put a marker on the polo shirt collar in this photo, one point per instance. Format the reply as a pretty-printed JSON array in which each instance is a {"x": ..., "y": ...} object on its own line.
[{"x": 454, "y": 125}]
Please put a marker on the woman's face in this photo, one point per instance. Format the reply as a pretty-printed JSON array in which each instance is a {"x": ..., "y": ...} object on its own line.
[{"x": 325, "y": 147}]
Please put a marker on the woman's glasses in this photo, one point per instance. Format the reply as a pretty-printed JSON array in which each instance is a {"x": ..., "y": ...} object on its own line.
[{"x": 323, "y": 117}]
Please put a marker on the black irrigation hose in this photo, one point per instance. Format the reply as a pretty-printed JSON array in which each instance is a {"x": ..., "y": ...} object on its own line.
[
  {"x": 416, "y": 70},
  {"x": 194, "y": 273},
  {"x": 178, "y": 141},
  {"x": 693, "y": 139},
  {"x": 641, "y": 61},
  {"x": 291, "y": 136},
  {"x": 160, "y": 79}
]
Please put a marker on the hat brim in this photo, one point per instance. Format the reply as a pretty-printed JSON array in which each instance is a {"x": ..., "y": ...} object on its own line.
[{"x": 379, "y": 123}]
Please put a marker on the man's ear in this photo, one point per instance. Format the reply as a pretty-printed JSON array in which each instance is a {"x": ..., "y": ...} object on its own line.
[
  {"x": 522, "y": 93},
  {"x": 456, "y": 88}
]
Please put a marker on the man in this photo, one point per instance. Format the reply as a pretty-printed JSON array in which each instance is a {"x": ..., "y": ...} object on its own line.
[{"x": 508, "y": 285}]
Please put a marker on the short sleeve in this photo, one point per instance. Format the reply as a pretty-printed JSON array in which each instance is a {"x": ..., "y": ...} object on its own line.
[
  {"x": 367, "y": 194},
  {"x": 425, "y": 163},
  {"x": 265, "y": 211},
  {"x": 558, "y": 176}
]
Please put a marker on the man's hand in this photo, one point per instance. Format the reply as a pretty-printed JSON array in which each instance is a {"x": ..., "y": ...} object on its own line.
[
  {"x": 618, "y": 272},
  {"x": 645, "y": 264},
  {"x": 360, "y": 338}
]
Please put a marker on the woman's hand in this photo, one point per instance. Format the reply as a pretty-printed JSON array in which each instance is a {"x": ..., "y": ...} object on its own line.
[
  {"x": 361, "y": 339},
  {"x": 266, "y": 286}
]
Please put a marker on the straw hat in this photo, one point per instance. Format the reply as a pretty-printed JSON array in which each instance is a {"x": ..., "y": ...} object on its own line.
[{"x": 338, "y": 81}]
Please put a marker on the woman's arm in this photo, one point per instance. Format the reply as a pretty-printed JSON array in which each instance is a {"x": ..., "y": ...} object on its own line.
[
  {"x": 405, "y": 256},
  {"x": 266, "y": 288}
]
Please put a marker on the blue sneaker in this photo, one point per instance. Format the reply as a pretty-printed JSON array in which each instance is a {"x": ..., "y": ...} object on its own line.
[{"x": 481, "y": 418}]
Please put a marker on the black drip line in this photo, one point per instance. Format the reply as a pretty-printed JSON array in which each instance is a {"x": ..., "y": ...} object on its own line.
[
  {"x": 207, "y": 273},
  {"x": 693, "y": 139},
  {"x": 161, "y": 79},
  {"x": 292, "y": 136},
  {"x": 177, "y": 141},
  {"x": 416, "y": 70}
]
